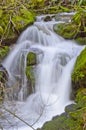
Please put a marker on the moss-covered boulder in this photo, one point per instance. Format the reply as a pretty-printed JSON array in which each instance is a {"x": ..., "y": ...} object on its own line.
[
  {"x": 31, "y": 63},
  {"x": 47, "y": 18},
  {"x": 79, "y": 72},
  {"x": 76, "y": 29},
  {"x": 66, "y": 30},
  {"x": 31, "y": 59}
]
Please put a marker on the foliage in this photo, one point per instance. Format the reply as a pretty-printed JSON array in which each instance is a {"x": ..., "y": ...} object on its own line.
[
  {"x": 80, "y": 19},
  {"x": 37, "y": 3},
  {"x": 22, "y": 20},
  {"x": 14, "y": 17},
  {"x": 81, "y": 2}
]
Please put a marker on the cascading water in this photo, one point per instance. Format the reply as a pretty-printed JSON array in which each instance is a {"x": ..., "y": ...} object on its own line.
[{"x": 52, "y": 75}]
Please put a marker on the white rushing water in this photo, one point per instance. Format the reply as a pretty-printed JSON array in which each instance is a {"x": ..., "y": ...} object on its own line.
[{"x": 52, "y": 75}]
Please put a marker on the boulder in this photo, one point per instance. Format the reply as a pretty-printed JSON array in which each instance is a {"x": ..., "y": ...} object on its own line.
[
  {"x": 47, "y": 18},
  {"x": 31, "y": 59},
  {"x": 79, "y": 73}
]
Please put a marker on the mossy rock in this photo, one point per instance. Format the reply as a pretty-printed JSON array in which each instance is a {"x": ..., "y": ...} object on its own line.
[
  {"x": 81, "y": 98},
  {"x": 31, "y": 59},
  {"x": 79, "y": 73},
  {"x": 66, "y": 30},
  {"x": 30, "y": 75},
  {"x": 31, "y": 63},
  {"x": 47, "y": 18},
  {"x": 76, "y": 29},
  {"x": 81, "y": 40},
  {"x": 72, "y": 122}
]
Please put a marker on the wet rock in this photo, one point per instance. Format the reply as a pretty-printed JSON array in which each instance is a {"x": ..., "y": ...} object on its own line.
[
  {"x": 63, "y": 17},
  {"x": 9, "y": 41},
  {"x": 70, "y": 108},
  {"x": 55, "y": 117},
  {"x": 47, "y": 18},
  {"x": 31, "y": 59}
]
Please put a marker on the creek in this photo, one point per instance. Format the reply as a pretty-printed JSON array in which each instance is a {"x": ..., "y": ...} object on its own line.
[{"x": 55, "y": 61}]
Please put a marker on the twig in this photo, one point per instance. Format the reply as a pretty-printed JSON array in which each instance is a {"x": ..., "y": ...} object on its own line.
[
  {"x": 14, "y": 25},
  {"x": 18, "y": 118}
]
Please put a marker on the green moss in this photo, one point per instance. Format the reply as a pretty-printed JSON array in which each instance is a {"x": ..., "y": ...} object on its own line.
[
  {"x": 81, "y": 97},
  {"x": 1, "y": 12},
  {"x": 1, "y": 74},
  {"x": 64, "y": 9},
  {"x": 81, "y": 40},
  {"x": 1, "y": 30},
  {"x": 30, "y": 75},
  {"x": 23, "y": 19},
  {"x": 64, "y": 123},
  {"x": 14, "y": 17},
  {"x": 66, "y": 30},
  {"x": 3, "y": 52},
  {"x": 76, "y": 29},
  {"x": 79, "y": 71},
  {"x": 31, "y": 59},
  {"x": 31, "y": 62}
]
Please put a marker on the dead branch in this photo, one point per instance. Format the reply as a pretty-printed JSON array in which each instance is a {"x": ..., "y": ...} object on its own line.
[{"x": 18, "y": 117}]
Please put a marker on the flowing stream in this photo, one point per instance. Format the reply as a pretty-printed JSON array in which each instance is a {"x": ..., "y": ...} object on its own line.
[{"x": 55, "y": 61}]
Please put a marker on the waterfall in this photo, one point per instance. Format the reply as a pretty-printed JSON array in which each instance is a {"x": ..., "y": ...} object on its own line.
[{"x": 52, "y": 74}]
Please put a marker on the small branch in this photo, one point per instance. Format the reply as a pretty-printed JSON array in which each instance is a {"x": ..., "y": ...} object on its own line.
[
  {"x": 14, "y": 25},
  {"x": 18, "y": 118}
]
